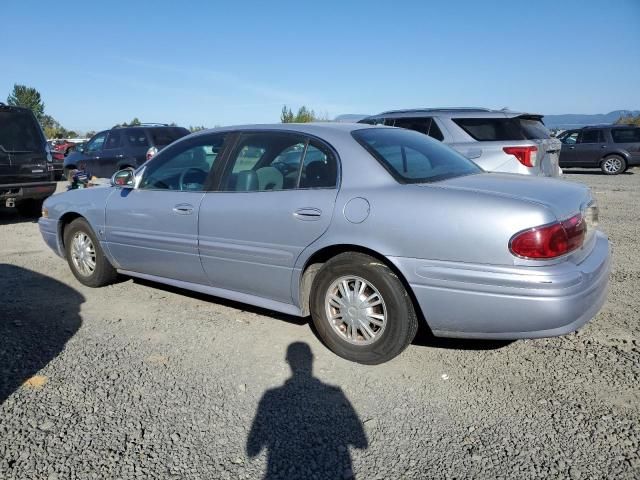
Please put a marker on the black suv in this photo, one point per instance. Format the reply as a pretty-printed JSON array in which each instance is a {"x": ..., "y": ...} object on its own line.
[
  {"x": 612, "y": 148},
  {"x": 26, "y": 171},
  {"x": 121, "y": 147}
]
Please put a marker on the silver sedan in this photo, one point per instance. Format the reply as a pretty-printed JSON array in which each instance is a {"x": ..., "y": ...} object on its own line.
[{"x": 370, "y": 230}]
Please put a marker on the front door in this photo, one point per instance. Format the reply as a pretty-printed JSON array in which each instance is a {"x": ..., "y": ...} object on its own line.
[
  {"x": 590, "y": 148},
  {"x": 568, "y": 157},
  {"x": 276, "y": 197},
  {"x": 153, "y": 229},
  {"x": 110, "y": 156}
]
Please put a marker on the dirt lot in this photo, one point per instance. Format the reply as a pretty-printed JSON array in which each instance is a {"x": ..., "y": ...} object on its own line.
[{"x": 139, "y": 380}]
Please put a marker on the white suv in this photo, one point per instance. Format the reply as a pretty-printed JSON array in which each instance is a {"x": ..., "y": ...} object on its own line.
[{"x": 497, "y": 140}]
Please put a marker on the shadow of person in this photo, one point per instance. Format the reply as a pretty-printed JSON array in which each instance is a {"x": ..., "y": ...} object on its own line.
[
  {"x": 305, "y": 425},
  {"x": 38, "y": 315}
]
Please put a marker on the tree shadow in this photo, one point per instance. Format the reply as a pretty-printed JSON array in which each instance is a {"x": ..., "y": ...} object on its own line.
[
  {"x": 38, "y": 315},
  {"x": 306, "y": 426}
]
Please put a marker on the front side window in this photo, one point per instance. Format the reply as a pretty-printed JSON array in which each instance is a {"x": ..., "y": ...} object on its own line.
[
  {"x": 625, "y": 135},
  {"x": 411, "y": 157},
  {"x": 114, "y": 140},
  {"x": 183, "y": 167},
  {"x": 95, "y": 144},
  {"x": 570, "y": 138}
]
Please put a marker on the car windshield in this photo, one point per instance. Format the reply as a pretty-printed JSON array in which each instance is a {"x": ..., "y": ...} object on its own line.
[
  {"x": 19, "y": 132},
  {"x": 412, "y": 157}
]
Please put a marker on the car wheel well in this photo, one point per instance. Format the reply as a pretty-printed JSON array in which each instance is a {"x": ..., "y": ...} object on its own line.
[
  {"x": 64, "y": 221},
  {"x": 319, "y": 258}
]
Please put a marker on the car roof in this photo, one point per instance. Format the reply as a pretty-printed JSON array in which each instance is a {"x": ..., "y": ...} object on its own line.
[
  {"x": 469, "y": 112},
  {"x": 314, "y": 128}
]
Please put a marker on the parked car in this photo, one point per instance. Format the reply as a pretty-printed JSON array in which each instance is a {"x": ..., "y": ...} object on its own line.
[
  {"x": 64, "y": 146},
  {"x": 26, "y": 176},
  {"x": 611, "y": 148},
  {"x": 497, "y": 140},
  {"x": 121, "y": 147},
  {"x": 370, "y": 230}
]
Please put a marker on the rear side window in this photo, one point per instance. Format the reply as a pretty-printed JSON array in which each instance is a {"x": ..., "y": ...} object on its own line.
[
  {"x": 411, "y": 157},
  {"x": 424, "y": 125},
  {"x": 19, "y": 131},
  {"x": 592, "y": 136},
  {"x": 502, "y": 129},
  {"x": 137, "y": 138},
  {"x": 625, "y": 135},
  {"x": 167, "y": 135},
  {"x": 114, "y": 140}
]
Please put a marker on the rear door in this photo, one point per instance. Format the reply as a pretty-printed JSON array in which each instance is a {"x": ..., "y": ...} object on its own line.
[
  {"x": 23, "y": 157},
  {"x": 275, "y": 198}
]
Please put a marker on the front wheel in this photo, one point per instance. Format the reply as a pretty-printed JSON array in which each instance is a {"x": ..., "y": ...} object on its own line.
[
  {"x": 85, "y": 256},
  {"x": 361, "y": 309},
  {"x": 613, "y": 165}
]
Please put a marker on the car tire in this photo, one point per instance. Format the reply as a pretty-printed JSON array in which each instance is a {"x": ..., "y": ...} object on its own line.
[
  {"x": 335, "y": 320},
  {"x": 613, "y": 165},
  {"x": 85, "y": 256},
  {"x": 29, "y": 208}
]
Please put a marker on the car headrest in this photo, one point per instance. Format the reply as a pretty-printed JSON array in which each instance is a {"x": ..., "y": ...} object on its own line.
[{"x": 247, "y": 181}]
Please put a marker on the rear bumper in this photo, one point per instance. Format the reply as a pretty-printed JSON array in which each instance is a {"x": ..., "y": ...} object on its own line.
[
  {"x": 24, "y": 191},
  {"x": 476, "y": 301}
]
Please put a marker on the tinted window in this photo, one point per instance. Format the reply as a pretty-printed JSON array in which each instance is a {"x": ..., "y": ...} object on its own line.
[
  {"x": 435, "y": 132},
  {"x": 19, "y": 131},
  {"x": 625, "y": 135},
  {"x": 136, "y": 137},
  {"x": 165, "y": 136},
  {"x": 319, "y": 169},
  {"x": 95, "y": 144},
  {"x": 114, "y": 139},
  {"x": 414, "y": 158},
  {"x": 265, "y": 161},
  {"x": 591, "y": 136},
  {"x": 418, "y": 124},
  {"x": 184, "y": 167},
  {"x": 503, "y": 129}
]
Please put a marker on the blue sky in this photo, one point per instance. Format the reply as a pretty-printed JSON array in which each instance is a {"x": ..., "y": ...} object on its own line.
[{"x": 220, "y": 63}]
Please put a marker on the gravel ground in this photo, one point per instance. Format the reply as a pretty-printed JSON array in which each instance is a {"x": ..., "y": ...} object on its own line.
[{"x": 140, "y": 380}]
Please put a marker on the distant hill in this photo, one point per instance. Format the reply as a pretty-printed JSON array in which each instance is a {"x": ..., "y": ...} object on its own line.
[{"x": 577, "y": 120}]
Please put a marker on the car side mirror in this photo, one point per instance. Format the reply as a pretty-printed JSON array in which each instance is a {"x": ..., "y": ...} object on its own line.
[
  {"x": 124, "y": 178},
  {"x": 80, "y": 148}
]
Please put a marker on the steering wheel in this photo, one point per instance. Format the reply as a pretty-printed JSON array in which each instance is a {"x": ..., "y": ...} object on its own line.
[{"x": 184, "y": 174}]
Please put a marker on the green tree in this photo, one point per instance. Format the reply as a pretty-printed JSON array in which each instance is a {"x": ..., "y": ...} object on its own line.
[
  {"x": 29, "y": 97},
  {"x": 196, "y": 128},
  {"x": 629, "y": 120},
  {"x": 304, "y": 115}
]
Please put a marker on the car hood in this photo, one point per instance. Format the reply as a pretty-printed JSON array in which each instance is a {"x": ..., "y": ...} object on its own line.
[{"x": 562, "y": 197}]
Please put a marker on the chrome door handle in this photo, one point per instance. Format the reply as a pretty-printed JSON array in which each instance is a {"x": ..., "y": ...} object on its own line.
[
  {"x": 308, "y": 214},
  {"x": 183, "y": 209}
]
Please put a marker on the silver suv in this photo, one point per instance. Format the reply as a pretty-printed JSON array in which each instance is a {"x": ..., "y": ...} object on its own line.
[{"x": 497, "y": 140}]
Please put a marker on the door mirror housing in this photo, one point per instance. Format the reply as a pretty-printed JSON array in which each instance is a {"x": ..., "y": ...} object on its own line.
[{"x": 124, "y": 178}]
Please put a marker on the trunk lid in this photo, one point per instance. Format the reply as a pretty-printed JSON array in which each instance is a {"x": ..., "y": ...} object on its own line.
[{"x": 562, "y": 197}]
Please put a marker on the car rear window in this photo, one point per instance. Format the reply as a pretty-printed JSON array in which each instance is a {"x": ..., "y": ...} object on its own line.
[
  {"x": 165, "y": 136},
  {"x": 19, "y": 131},
  {"x": 503, "y": 129},
  {"x": 625, "y": 135},
  {"x": 412, "y": 157}
]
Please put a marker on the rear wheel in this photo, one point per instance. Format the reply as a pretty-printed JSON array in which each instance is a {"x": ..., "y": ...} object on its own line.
[
  {"x": 613, "y": 165},
  {"x": 361, "y": 309},
  {"x": 85, "y": 256},
  {"x": 29, "y": 208}
]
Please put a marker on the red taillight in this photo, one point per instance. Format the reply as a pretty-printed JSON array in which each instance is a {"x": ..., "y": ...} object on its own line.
[
  {"x": 550, "y": 241},
  {"x": 526, "y": 155}
]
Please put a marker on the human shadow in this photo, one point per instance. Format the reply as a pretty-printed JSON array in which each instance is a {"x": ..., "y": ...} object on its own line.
[
  {"x": 38, "y": 315},
  {"x": 305, "y": 425}
]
